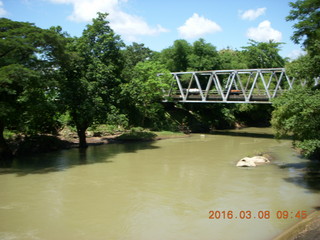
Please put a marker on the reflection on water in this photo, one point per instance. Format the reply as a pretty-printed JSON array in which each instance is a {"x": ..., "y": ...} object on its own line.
[
  {"x": 62, "y": 160},
  {"x": 157, "y": 190},
  {"x": 308, "y": 177}
]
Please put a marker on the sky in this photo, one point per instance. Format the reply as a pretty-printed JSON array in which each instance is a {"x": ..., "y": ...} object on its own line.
[{"x": 157, "y": 24}]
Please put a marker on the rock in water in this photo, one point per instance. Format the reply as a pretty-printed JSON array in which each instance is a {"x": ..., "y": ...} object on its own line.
[{"x": 252, "y": 161}]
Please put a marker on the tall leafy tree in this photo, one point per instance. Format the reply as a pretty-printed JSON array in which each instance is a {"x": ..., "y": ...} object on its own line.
[
  {"x": 307, "y": 27},
  {"x": 91, "y": 78},
  {"x": 145, "y": 92},
  {"x": 306, "y": 15},
  {"x": 176, "y": 57},
  {"x": 28, "y": 59},
  {"x": 263, "y": 54},
  {"x": 297, "y": 112},
  {"x": 204, "y": 56},
  {"x": 132, "y": 55},
  {"x": 301, "y": 69},
  {"x": 135, "y": 53},
  {"x": 232, "y": 59}
]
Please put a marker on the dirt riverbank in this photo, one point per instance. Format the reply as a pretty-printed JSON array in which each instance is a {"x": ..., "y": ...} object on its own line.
[{"x": 307, "y": 229}]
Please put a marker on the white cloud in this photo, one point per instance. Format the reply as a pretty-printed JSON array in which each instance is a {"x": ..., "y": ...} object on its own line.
[
  {"x": 296, "y": 53},
  {"x": 264, "y": 32},
  {"x": 252, "y": 14},
  {"x": 3, "y": 12},
  {"x": 197, "y": 26},
  {"x": 127, "y": 25}
]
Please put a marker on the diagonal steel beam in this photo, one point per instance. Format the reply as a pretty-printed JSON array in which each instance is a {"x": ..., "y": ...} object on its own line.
[{"x": 272, "y": 80}]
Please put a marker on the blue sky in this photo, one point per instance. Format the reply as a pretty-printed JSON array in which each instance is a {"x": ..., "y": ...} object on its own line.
[{"x": 223, "y": 23}]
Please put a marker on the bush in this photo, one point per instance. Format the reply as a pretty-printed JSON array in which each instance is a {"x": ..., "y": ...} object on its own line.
[
  {"x": 310, "y": 148},
  {"x": 297, "y": 113},
  {"x": 105, "y": 130},
  {"x": 137, "y": 134}
]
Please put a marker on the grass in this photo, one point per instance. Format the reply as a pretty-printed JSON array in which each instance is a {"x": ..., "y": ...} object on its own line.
[
  {"x": 169, "y": 134},
  {"x": 137, "y": 134}
]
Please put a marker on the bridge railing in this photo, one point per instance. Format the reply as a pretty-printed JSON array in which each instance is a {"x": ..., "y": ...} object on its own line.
[{"x": 229, "y": 86}]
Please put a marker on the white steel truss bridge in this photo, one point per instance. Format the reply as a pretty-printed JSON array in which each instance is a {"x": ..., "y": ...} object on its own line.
[{"x": 230, "y": 86}]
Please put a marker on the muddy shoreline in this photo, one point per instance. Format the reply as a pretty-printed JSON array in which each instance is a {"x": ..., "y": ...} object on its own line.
[{"x": 306, "y": 229}]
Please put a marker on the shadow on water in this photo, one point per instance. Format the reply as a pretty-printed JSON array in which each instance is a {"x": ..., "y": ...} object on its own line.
[
  {"x": 65, "y": 159},
  {"x": 308, "y": 177},
  {"x": 247, "y": 134}
]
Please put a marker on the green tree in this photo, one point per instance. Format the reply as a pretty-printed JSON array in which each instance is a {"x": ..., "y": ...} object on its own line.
[
  {"x": 132, "y": 55},
  {"x": 301, "y": 69},
  {"x": 297, "y": 112},
  {"x": 135, "y": 53},
  {"x": 28, "y": 59},
  {"x": 175, "y": 58},
  {"x": 307, "y": 27},
  {"x": 145, "y": 92},
  {"x": 306, "y": 15},
  {"x": 232, "y": 59},
  {"x": 204, "y": 56},
  {"x": 90, "y": 81},
  {"x": 263, "y": 54}
]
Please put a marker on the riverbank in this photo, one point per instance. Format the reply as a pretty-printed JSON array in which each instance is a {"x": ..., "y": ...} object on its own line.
[
  {"x": 307, "y": 229},
  {"x": 22, "y": 146},
  {"x": 121, "y": 137}
]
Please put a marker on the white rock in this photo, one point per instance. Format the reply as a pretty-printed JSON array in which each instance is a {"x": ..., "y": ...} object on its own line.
[{"x": 252, "y": 162}]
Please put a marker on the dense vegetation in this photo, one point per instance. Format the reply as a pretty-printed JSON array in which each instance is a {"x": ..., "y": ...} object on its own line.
[
  {"x": 49, "y": 80},
  {"x": 298, "y": 111}
]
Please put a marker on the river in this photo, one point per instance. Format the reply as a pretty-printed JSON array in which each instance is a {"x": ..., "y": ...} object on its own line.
[{"x": 159, "y": 190}]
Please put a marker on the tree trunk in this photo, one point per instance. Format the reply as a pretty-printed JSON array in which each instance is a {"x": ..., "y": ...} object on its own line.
[
  {"x": 5, "y": 152},
  {"x": 82, "y": 137}
]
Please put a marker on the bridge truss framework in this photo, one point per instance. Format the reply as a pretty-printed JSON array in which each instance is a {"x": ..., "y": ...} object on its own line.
[{"x": 230, "y": 86}]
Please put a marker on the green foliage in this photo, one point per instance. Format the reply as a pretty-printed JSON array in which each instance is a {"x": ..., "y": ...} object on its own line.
[
  {"x": 297, "y": 112},
  {"x": 90, "y": 81},
  {"x": 231, "y": 59},
  {"x": 27, "y": 56},
  {"x": 310, "y": 148},
  {"x": 182, "y": 56},
  {"x": 206, "y": 117},
  {"x": 115, "y": 117},
  {"x": 253, "y": 114},
  {"x": 105, "y": 129},
  {"x": 138, "y": 53},
  {"x": 176, "y": 57},
  {"x": 301, "y": 68},
  {"x": 144, "y": 93},
  {"x": 134, "y": 54},
  {"x": 263, "y": 54},
  {"x": 306, "y": 15},
  {"x": 137, "y": 134},
  {"x": 9, "y": 135},
  {"x": 204, "y": 56}
]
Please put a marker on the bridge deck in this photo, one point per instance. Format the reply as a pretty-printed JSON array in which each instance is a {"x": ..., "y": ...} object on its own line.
[{"x": 215, "y": 98}]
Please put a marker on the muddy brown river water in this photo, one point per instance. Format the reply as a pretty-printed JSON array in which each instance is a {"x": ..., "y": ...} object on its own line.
[{"x": 162, "y": 190}]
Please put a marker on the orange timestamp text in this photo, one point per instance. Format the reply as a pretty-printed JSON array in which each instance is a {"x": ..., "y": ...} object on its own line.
[{"x": 263, "y": 214}]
